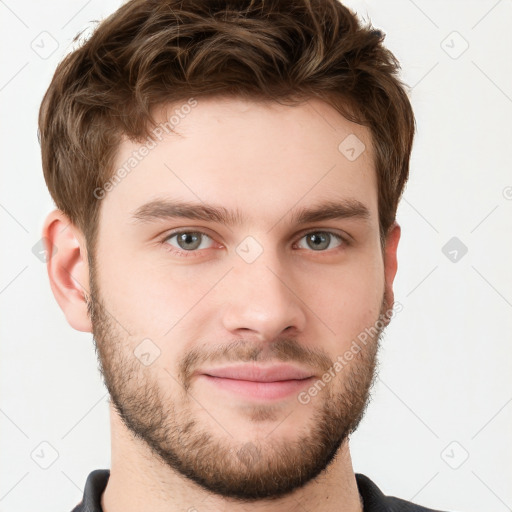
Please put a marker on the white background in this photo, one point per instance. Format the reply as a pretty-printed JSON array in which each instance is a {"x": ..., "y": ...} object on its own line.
[{"x": 445, "y": 390}]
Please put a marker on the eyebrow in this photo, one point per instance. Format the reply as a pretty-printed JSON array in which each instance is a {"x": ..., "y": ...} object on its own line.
[{"x": 166, "y": 209}]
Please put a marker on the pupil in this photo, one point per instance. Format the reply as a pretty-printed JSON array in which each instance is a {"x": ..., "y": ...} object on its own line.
[
  {"x": 319, "y": 239},
  {"x": 188, "y": 238}
]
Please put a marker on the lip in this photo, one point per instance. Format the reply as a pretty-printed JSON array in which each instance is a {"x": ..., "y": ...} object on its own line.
[
  {"x": 255, "y": 373},
  {"x": 259, "y": 382}
]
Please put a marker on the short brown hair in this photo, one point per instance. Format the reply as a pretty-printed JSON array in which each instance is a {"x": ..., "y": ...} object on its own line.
[{"x": 153, "y": 52}]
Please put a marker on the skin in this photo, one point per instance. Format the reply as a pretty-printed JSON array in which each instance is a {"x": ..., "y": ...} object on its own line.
[{"x": 178, "y": 441}]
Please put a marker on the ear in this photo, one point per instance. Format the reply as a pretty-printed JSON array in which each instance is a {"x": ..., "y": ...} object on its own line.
[
  {"x": 390, "y": 262},
  {"x": 68, "y": 268}
]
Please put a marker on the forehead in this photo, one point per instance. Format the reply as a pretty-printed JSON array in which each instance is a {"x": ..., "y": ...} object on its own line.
[{"x": 260, "y": 157}]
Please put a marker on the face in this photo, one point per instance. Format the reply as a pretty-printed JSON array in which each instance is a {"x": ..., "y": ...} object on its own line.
[{"x": 246, "y": 243}]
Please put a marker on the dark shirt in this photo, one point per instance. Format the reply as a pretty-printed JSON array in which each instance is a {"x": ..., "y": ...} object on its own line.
[{"x": 373, "y": 498}]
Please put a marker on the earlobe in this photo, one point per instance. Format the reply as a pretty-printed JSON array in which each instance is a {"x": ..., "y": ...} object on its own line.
[
  {"x": 68, "y": 269},
  {"x": 390, "y": 261}
]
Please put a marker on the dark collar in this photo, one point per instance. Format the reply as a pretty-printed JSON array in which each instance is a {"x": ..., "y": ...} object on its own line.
[{"x": 373, "y": 498}]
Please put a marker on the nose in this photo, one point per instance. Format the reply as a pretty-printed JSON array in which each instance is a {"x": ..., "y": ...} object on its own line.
[{"x": 261, "y": 297}]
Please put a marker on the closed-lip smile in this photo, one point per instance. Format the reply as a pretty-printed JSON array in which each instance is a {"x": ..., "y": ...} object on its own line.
[
  {"x": 251, "y": 381},
  {"x": 256, "y": 373}
]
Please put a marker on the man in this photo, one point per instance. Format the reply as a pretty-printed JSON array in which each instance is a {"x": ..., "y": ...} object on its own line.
[{"x": 226, "y": 178}]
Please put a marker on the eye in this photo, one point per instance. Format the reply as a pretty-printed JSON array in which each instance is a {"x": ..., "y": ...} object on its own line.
[
  {"x": 188, "y": 241},
  {"x": 322, "y": 240}
]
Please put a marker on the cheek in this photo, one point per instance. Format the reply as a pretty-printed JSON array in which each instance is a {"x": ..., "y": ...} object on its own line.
[
  {"x": 347, "y": 298},
  {"x": 154, "y": 298}
]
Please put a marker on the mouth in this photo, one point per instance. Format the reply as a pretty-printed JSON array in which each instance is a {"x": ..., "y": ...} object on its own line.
[{"x": 259, "y": 382}]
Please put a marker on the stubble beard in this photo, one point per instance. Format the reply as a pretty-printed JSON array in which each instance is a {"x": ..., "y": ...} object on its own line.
[{"x": 241, "y": 470}]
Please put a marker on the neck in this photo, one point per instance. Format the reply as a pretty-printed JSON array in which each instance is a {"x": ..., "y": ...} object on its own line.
[{"x": 139, "y": 481}]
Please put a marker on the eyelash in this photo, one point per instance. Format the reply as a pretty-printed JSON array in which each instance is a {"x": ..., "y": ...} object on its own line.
[{"x": 194, "y": 253}]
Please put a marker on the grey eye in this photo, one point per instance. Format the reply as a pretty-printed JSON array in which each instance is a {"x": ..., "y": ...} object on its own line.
[
  {"x": 188, "y": 240},
  {"x": 321, "y": 240}
]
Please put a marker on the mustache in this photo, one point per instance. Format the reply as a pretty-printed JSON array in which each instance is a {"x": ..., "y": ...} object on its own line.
[{"x": 242, "y": 351}]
